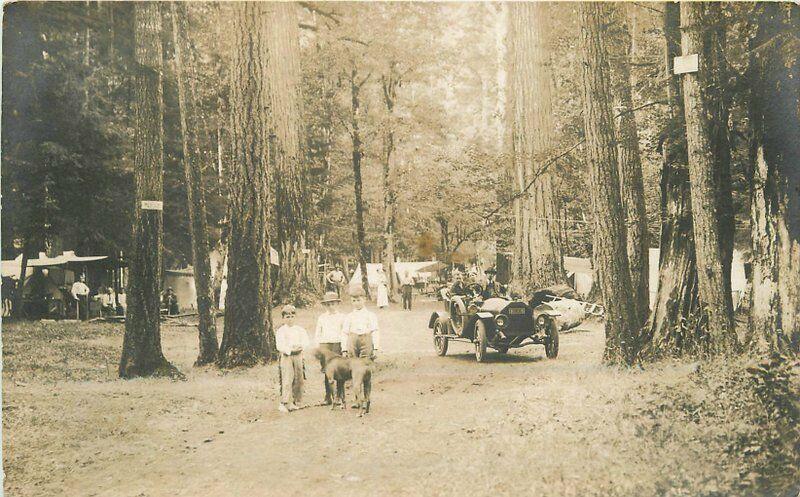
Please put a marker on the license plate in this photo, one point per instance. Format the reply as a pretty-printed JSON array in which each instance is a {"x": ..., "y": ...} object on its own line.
[{"x": 517, "y": 310}]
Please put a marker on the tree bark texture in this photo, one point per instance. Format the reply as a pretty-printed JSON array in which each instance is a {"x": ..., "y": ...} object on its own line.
[
  {"x": 630, "y": 161},
  {"x": 538, "y": 257},
  {"x": 698, "y": 36},
  {"x": 389, "y": 83},
  {"x": 248, "y": 337},
  {"x": 775, "y": 202},
  {"x": 290, "y": 176},
  {"x": 610, "y": 247},
  {"x": 141, "y": 346},
  {"x": 195, "y": 197},
  {"x": 671, "y": 327},
  {"x": 363, "y": 253}
]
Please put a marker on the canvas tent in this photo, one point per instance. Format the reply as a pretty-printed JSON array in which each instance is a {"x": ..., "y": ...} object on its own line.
[{"x": 420, "y": 269}]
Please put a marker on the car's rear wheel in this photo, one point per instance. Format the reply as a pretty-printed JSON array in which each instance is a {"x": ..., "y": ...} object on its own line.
[
  {"x": 480, "y": 341},
  {"x": 551, "y": 345},
  {"x": 440, "y": 342}
]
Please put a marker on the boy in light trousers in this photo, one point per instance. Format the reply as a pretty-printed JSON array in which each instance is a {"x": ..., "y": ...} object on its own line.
[{"x": 290, "y": 340}]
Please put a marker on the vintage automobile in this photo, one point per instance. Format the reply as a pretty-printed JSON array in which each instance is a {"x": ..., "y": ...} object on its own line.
[{"x": 498, "y": 322}]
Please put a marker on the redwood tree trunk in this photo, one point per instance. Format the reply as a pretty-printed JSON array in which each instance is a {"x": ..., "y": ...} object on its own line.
[
  {"x": 141, "y": 346},
  {"x": 676, "y": 299},
  {"x": 363, "y": 253},
  {"x": 697, "y": 37},
  {"x": 290, "y": 185},
  {"x": 195, "y": 198},
  {"x": 775, "y": 203},
  {"x": 630, "y": 162},
  {"x": 610, "y": 247},
  {"x": 538, "y": 254},
  {"x": 248, "y": 337}
]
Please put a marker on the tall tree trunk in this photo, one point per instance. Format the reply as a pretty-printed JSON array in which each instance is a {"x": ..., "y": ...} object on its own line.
[
  {"x": 610, "y": 247},
  {"x": 141, "y": 346},
  {"x": 290, "y": 184},
  {"x": 389, "y": 83},
  {"x": 698, "y": 37},
  {"x": 248, "y": 337},
  {"x": 538, "y": 254},
  {"x": 363, "y": 253},
  {"x": 775, "y": 203},
  {"x": 195, "y": 197},
  {"x": 630, "y": 162},
  {"x": 676, "y": 301}
]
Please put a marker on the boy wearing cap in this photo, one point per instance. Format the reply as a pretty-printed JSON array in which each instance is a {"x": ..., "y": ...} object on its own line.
[
  {"x": 290, "y": 340},
  {"x": 361, "y": 329},
  {"x": 329, "y": 336}
]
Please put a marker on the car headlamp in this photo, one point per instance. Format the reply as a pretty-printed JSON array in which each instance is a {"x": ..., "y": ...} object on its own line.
[
  {"x": 541, "y": 320},
  {"x": 501, "y": 320}
]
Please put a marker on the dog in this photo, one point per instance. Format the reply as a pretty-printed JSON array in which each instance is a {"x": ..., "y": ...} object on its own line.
[
  {"x": 337, "y": 371},
  {"x": 361, "y": 369}
]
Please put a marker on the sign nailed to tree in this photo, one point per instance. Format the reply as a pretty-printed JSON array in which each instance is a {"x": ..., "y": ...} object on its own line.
[
  {"x": 152, "y": 205},
  {"x": 686, "y": 64}
]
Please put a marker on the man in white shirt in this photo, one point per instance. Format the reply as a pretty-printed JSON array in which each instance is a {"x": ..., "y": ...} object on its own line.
[
  {"x": 329, "y": 336},
  {"x": 335, "y": 279},
  {"x": 290, "y": 340},
  {"x": 361, "y": 329},
  {"x": 80, "y": 292}
]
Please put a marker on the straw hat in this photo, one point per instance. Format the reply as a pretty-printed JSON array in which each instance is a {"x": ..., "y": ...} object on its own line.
[{"x": 330, "y": 297}]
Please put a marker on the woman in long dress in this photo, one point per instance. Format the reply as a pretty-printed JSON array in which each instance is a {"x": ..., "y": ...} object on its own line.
[{"x": 383, "y": 291}]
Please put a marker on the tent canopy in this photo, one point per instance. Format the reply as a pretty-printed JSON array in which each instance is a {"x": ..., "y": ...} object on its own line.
[
  {"x": 414, "y": 269},
  {"x": 12, "y": 267}
]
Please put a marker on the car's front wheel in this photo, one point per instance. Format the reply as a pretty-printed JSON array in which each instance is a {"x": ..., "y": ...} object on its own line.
[
  {"x": 480, "y": 341},
  {"x": 551, "y": 345},
  {"x": 440, "y": 342}
]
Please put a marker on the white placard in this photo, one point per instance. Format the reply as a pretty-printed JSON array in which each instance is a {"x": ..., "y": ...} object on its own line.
[
  {"x": 152, "y": 205},
  {"x": 686, "y": 63}
]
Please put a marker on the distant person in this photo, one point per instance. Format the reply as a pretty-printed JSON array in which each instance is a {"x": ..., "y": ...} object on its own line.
[
  {"x": 80, "y": 294},
  {"x": 406, "y": 289},
  {"x": 382, "y": 297},
  {"x": 108, "y": 306},
  {"x": 361, "y": 328},
  {"x": 329, "y": 335},
  {"x": 334, "y": 281},
  {"x": 290, "y": 340},
  {"x": 169, "y": 301}
]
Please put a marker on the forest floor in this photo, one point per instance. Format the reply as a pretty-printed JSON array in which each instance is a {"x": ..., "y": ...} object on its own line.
[{"x": 519, "y": 424}]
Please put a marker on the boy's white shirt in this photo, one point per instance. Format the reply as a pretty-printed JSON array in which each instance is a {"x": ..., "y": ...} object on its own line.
[
  {"x": 360, "y": 322},
  {"x": 330, "y": 329},
  {"x": 288, "y": 337}
]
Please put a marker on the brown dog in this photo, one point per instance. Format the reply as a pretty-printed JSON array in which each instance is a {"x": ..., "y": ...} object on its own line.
[
  {"x": 337, "y": 371},
  {"x": 362, "y": 383}
]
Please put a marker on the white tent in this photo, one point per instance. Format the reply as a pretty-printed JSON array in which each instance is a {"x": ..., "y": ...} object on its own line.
[{"x": 413, "y": 268}]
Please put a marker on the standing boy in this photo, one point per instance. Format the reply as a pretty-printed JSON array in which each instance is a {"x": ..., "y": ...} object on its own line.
[
  {"x": 329, "y": 336},
  {"x": 361, "y": 328},
  {"x": 290, "y": 340}
]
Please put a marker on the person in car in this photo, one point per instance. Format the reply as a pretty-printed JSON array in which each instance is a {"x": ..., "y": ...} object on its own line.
[
  {"x": 458, "y": 287},
  {"x": 492, "y": 288}
]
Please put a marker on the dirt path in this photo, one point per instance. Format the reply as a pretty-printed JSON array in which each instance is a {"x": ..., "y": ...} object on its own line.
[{"x": 439, "y": 426}]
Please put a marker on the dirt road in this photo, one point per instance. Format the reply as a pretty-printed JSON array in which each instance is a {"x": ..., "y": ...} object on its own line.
[{"x": 518, "y": 424}]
